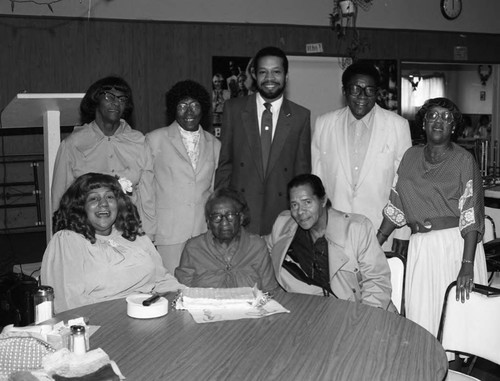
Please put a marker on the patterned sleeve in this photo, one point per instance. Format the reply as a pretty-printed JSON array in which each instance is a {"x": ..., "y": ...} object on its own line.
[
  {"x": 394, "y": 208},
  {"x": 471, "y": 202}
]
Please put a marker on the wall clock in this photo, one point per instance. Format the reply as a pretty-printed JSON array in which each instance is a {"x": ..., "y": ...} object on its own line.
[{"x": 451, "y": 9}]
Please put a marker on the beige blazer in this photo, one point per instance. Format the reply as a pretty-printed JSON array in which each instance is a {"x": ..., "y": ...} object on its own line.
[
  {"x": 175, "y": 210},
  {"x": 389, "y": 140},
  {"x": 359, "y": 271}
]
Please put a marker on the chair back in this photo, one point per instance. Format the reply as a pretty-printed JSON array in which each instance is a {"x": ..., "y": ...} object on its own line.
[
  {"x": 472, "y": 327},
  {"x": 489, "y": 229},
  {"x": 397, "y": 266}
]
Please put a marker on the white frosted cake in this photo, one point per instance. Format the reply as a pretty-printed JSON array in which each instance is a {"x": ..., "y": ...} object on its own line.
[{"x": 199, "y": 298}]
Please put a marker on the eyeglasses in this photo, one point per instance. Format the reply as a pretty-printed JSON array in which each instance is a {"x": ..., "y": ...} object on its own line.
[
  {"x": 110, "y": 97},
  {"x": 445, "y": 116},
  {"x": 370, "y": 91},
  {"x": 193, "y": 106},
  {"x": 217, "y": 217}
]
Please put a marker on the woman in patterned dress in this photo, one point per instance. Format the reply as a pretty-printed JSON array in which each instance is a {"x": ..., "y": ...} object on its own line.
[{"x": 439, "y": 194}]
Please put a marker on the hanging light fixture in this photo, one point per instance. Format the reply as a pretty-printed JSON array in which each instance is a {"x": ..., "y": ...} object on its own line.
[
  {"x": 484, "y": 72},
  {"x": 414, "y": 79}
]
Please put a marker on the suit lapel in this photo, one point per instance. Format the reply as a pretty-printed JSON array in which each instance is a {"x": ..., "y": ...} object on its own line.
[
  {"x": 343, "y": 144},
  {"x": 251, "y": 126},
  {"x": 280, "y": 134},
  {"x": 176, "y": 139}
]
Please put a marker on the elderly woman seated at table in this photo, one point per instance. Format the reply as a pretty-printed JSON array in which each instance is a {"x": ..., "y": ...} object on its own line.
[
  {"x": 316, "y": 249},
  {"x": 98, "y": 251},
  {"x": 227, "y": 255}
]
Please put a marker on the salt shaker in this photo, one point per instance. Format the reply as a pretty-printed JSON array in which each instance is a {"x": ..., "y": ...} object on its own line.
[
  {"x": 44, "y": 303},
  {"x": 78, "y": 342}
]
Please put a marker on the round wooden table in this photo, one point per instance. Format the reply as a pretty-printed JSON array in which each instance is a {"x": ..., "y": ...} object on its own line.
[{"x": 320, "y": 339}]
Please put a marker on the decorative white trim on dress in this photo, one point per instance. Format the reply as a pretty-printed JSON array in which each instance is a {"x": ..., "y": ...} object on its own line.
[
  {"x": 466, "y": 218},
  {"x": 394, "y": 214},
  {"x": 467, "y": 193}
]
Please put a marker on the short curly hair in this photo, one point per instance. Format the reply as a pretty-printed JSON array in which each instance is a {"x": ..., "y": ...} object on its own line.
[
  {"x": 71, "y": 214},
  {"x": 230, "y": 194},
  {"x": 188, "y": 89},
  {"x": 361, "y": 68},
  {"x": 270, "y": 51},
  {"x": 91, "y": 99},
  {"x": 429, "y": 104}
]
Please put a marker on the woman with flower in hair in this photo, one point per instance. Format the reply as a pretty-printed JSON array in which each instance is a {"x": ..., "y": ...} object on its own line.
[
  {"x": 105, "y": 143},
  {"x": 99, "y": 251}
]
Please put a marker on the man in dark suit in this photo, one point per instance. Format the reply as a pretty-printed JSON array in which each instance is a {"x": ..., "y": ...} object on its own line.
[{"x": 266, "y": 141}]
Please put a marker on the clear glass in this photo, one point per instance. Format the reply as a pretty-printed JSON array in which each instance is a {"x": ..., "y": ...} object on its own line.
[{"x": 43, "y": 300}]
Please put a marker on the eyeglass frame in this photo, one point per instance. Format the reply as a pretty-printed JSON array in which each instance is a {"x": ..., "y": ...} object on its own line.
[
  {"x": 193, "y": 106},
  {"x": 110, "y": 97},
  {"x": 229, "y": 216},
  {"x": 439, "y": 115},
  {"x": 361, "y": 90}
]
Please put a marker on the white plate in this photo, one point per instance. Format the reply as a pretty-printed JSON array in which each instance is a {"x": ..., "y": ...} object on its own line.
[{"x": 136, "y": 310}]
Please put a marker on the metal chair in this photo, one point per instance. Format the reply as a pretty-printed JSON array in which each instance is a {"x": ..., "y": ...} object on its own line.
[
  {"x": 491, "y": 250},
  {"x": 490, "y": 233},
  {"x": 472, "y": 327},
  {"x": 397, "y": 265}
]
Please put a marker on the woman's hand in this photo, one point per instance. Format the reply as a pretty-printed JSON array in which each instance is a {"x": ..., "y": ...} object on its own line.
[{"x": 465, "y": 281}]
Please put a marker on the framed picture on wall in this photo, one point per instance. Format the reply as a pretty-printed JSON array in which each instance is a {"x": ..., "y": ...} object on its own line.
[
  {"x": 231, "y": 78},
  {"x": 388, "y": 95}
]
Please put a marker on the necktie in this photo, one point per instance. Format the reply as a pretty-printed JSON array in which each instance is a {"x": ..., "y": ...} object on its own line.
[{"x": 266, "y": 131}]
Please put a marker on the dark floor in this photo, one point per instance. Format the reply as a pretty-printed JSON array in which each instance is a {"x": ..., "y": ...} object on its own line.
[{"x": 484, "y": 370}]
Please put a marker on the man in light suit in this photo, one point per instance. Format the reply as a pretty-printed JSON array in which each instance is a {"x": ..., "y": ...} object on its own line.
[
  {"x": 266, "y": 141},
  {"x": 356, "y": 150}
]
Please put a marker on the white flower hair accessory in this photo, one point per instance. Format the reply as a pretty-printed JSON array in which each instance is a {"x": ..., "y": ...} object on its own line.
[{"x": 126, "y": 185}]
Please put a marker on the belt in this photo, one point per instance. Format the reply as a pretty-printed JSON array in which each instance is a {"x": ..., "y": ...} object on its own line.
[{"x": 438, "y": 223}]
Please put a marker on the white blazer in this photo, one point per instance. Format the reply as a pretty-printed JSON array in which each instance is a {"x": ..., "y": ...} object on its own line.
[{"x": 389, "y": 140}]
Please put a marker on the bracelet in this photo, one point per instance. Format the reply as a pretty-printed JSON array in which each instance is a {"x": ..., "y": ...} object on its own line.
[
  {"x": 467, "y": 261},
  {"x": 382, "y": 234}
]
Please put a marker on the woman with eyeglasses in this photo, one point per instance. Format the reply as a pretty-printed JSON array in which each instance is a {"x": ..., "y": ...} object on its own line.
[
  {"x": 439, "y": 195},
  {"x": 185, "y": 157},
  {"x": 227, "y": 255},
  {"x": 105, "y": 143}
]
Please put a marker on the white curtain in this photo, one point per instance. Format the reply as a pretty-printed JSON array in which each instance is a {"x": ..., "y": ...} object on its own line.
[{"x": 412, "y": 100}]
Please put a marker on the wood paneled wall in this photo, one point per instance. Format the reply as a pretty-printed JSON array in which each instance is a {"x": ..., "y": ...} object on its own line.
[{"x": 67, "y": 55}]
